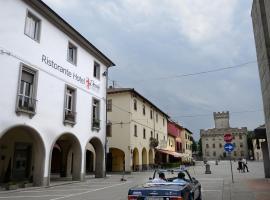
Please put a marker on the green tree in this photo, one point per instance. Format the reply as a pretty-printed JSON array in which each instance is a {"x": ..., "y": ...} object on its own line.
[
  {"x": 200, "y": 147},
  {"x": 194, "y": 145}
]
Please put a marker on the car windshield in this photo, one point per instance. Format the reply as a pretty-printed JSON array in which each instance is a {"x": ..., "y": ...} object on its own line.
[{"x": 172, "y": 175}]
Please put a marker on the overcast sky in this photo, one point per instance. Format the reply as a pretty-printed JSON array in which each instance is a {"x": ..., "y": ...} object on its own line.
[{"x": 149, "y": 39}]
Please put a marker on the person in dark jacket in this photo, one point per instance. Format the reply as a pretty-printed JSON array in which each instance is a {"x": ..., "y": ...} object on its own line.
[{"x": 240, "y": 165}]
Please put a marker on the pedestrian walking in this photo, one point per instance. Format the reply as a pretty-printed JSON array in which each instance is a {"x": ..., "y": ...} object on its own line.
[
  {"x": 245, "y": 167},
  {"x": 240, "y": 165}
]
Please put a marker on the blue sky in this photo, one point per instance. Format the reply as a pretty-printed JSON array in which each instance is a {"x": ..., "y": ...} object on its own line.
[{"x": 148, "y": 39}]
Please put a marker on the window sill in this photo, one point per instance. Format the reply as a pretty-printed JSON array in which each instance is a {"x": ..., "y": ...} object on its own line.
[
  {"x": 68, "y": 122},
  {"x": 95, "y": 128},
  {"x": 27, "y": 112}
]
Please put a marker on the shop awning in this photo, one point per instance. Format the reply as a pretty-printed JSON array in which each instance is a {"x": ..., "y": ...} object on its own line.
[{"x": 172, "y": 153}]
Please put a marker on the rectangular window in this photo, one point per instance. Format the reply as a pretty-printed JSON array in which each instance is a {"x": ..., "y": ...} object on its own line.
[
  {"x": 135, "y": 104},
  {"x": 163, "y": 122},
  {"x": 26, "y": 101},
  {"x": 109, "y": 130},
  {"x": 109, "y": 105},
  {"x": 70, "y": 105},
  {"x": 151, "y": 114},
  {"x": 144, "y": 134},
  {"x": 207, "y": 146},
  {"x": 214, "y": 146},
  {"x": 135, "y": 130},
  {"x": 214, "y": 153},
  {"x": 32, "y": 26},
  {"x": 240, "y": 137},
  {"x": 72, "y": 53},
  {"x": 143, "y": 109},
  {"x": 96, "y": 70},
  {"x": 151, "y": 134},
  {"x": 241, "y": 145},
  {"x": 220, "y": 145},
  {"x": 156, "y": 117},
  {"x": 157, "y": 136},
  {"x": 96, "y": 114}
]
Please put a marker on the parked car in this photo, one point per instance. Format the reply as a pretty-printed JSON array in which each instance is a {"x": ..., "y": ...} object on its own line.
[{"x": 170, "y": 189}]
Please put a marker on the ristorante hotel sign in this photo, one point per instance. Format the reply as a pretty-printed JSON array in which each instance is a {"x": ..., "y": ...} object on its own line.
[{"x": 89, "y": 84}]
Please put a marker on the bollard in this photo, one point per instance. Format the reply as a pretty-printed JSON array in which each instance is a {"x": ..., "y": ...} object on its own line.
[
  {"x": 216, "y": 162},
  {"x": 207, "y": 169}
]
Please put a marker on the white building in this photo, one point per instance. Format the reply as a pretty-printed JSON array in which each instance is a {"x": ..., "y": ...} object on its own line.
[{"x": 53, "y": 105}]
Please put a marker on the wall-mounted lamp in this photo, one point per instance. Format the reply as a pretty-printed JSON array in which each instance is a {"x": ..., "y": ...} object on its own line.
[{"x": 104, "y": 73}]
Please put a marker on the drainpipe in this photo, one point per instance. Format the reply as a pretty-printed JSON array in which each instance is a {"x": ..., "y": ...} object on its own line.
[{"x": 106, "y": 121}]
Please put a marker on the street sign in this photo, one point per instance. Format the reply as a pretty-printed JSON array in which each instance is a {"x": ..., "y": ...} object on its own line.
[
  {"x": 228, "y": 147},
  {"x": 228, "y": 137}
]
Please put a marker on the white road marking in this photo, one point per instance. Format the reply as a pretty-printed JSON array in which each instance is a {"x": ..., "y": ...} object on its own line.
[
  {"x": 72, "y": 195},
  {"x": 55, "y": 190},
  {"x": 14, "y": 197}
]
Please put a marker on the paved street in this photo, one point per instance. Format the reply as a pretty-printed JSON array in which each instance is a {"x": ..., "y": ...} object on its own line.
[{"x": 215, "y": 186}]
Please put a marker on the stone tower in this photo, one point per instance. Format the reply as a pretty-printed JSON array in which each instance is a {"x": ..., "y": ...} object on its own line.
[{"x": 221, "y": 119}]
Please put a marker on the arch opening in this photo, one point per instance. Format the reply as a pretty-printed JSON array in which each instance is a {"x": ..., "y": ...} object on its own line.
[
  {"x": 22, "y": 154},
  {"x": 144, "y": 159},
  {"x": 66, "y": 157},
  {"x": 115, "y": 160},
  {"x": 96, "y": 161},
  {"x": 135, "y": 160}
]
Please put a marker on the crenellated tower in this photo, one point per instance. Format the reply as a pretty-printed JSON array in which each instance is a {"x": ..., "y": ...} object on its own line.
[{"x": 222, "y": 119}]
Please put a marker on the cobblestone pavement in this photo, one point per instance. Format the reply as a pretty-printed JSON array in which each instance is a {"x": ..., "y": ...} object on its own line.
[{"x": 215, "y": 186}]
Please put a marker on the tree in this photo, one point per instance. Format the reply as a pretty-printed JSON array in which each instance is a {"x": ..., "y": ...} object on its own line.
[
  {"x": 200, "y": 148},
  {"x": 194, "y": 145}
]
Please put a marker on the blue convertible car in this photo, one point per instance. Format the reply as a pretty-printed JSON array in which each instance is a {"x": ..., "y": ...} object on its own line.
[{"x": 176, "y": 184}]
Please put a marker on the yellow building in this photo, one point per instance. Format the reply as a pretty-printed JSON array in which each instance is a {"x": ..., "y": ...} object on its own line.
[{"x": 134, "y": 127}]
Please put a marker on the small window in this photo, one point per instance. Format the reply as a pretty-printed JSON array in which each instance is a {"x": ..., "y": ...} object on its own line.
[
  {"x": 109, "y": 105},
  {"x": 32, "y": 26},
  {"x": 70, "y": 111},
  {"x": 163, "y": 122},
  {"x": 241, "y": 145},
  {"x": 96, "y": 70},
  {"x": 235, "y": 153},
  {"x": 240, "y": 137},
  {"x": 144, "y": 134},
  {"x": 96, "y": 114},
  {"x": 156, "y": 117},
  {"x": 207, "y": 146},
  {"x": 214, "y": 153},
  {"x": 109, "y": 129},
  {"x": 26, "y": 101},
  {"x": 151, "y": 134},
  {"x": 157, "y": 136},
  {"x": 151, "y": 114},
  {"x": 143, "y": 109},
  {"x": 214, "y": 146},
  {"x": 242, "y": 153},
  {"x": 220, "y": 145},
  {"x": 135, "y": 104},
  {"x": 135, "y": 130},
  {"x": 72, "y": 53}
]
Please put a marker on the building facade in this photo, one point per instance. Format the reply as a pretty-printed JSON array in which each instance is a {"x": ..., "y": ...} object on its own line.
[
  {"x": 53, "y": 113},
  {"x": 136, "y": 126},
  {"x": 186, "y": 137},
  {"x": 213, "y": 139},
  {"x": 261, "y": 25}
]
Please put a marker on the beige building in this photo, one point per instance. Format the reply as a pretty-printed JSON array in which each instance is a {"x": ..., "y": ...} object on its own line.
[
  {"x": 213, "y": 139},
  {"x": 135, "y": 126},
  {"x": 186, "y": 138}
]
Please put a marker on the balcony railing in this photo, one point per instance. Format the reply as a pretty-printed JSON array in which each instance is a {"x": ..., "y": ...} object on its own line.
[
  {"x": 70, "y": 116},
  {"x": 26, "y": 104},
  {"x": 96, "y": 124}
]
